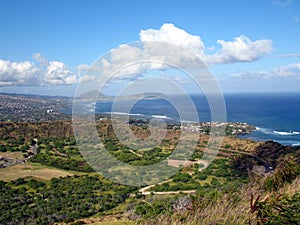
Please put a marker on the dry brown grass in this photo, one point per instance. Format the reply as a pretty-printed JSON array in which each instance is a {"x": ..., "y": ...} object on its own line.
[
  {"x": 13, "y": 155},
  {"x": 32, "y": 170},
  {"x": 234, "y": 208},
  {"x": 105, "y": 220},
  {"x": 291, "y": 189}
]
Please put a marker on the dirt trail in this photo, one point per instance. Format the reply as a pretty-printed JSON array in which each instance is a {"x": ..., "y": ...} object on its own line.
[{"x": 177, "y": 163}]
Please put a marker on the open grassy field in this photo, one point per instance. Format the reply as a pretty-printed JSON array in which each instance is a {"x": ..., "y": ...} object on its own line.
[
  {"x": 33, "y": 170},
  {"x": 13, "y": 155}
]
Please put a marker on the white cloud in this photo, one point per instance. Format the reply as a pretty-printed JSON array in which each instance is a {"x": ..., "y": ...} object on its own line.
[
  {"x": 58, "y": 73},
  {"x": 41, "y": 59},
  {"x": 82, "y": 67},
  {"x": 45, "y": 72},
  {"x": 130, "y": 62},
  {"x": 41, "y": 74},
  {"x": 175, "y": 46},
  {"x": 174, "y": 35},
  {"x": 291, "y": 70},
  {"x": 87, "y": 78},
  {"x": 241, "y": 49},
  {"x": 18, "y": 73}
]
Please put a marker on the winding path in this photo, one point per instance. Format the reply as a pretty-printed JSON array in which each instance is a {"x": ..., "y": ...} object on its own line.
[{"x": 144, "y": 191}]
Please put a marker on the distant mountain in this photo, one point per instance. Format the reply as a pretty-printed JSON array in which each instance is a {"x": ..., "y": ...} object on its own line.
[
  {"x": 152, "y": 95},
  {"x": 91, "y": 95},
  {"x": 36, "y": 96}
]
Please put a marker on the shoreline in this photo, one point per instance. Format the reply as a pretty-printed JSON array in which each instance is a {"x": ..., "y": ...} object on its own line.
[{"x": 283, "y": 137}]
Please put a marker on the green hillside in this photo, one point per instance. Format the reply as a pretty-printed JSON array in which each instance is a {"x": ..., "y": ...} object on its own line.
[{"x": 248, "y": 182}]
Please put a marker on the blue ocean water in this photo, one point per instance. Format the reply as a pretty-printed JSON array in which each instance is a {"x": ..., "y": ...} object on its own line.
[{"x": 275, "y": 115}]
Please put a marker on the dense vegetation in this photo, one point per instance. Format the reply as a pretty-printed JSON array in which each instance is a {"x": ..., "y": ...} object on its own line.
[
  {"x": 271, "y": 200},
  {"x": 66, "y": 199},
  {"x": 61, "y": 153},
  {"x": 16, "y": 136},
  {"x": 228, "y": 191},
  {"x": 219, "y": 174}
]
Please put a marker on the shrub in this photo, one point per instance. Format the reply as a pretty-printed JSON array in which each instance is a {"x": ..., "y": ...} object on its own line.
[
  {"x": 201, "y": 176},
  {"x": 286, "y": 172}
]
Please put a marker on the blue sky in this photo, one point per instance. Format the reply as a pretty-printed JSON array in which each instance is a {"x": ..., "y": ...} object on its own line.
[{"x": 58, "y": 36}]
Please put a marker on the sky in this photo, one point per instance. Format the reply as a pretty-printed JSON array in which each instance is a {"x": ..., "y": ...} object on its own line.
[{"x": 47, "y": 46}]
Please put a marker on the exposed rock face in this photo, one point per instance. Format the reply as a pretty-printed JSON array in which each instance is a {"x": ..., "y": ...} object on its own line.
[
  {"x": 272, "y": 151},
  {"x": 268, "y": 153}
]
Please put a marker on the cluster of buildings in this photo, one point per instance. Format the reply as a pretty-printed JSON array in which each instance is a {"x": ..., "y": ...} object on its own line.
[
  {"x": 30, "y": 108},
  {"x": 230, "y": 128}
]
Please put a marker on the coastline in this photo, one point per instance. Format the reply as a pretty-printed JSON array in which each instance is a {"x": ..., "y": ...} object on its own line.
[{"x": 286, "y": 138}]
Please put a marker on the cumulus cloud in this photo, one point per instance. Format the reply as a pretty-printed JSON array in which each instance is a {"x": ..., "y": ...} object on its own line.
[
  {"x": 44, "y": 72},
  {"x": 18, "y": 73},
  {"x": 241, "y": 49},
  {"x": 178, "y": 47},
  {"x": 59, "y": 73},
  {"x": 41, "y": 74},
  {"x": 174, "y": 35},
  {"x": 131, "y": 62}
]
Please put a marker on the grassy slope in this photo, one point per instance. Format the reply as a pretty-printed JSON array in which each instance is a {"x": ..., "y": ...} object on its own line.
[
  {"x": 221, "y": 211},
  {"x": 225, "y": 211},
  {"x": 33, "y": 170},
  {"x": 229, "y": 209}
]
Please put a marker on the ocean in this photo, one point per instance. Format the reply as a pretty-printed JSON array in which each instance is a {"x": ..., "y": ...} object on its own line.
[{"x": 276, "y": 116}]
